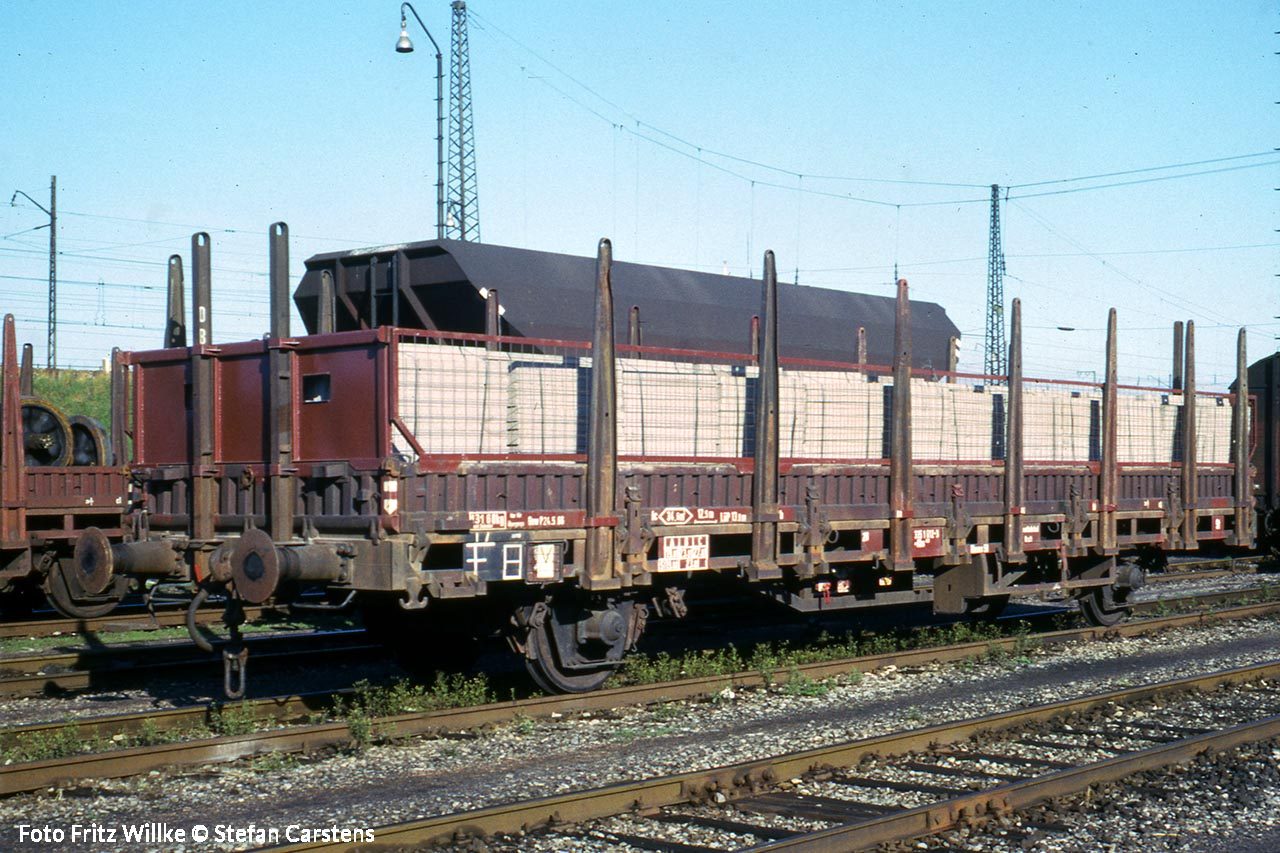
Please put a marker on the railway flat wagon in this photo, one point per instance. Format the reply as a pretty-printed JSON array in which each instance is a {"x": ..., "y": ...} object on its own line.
[
  {"x": 57, "y": 481},
  {"x": 564, "y": 489}
]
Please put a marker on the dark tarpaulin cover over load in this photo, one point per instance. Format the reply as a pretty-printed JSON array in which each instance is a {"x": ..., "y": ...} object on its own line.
[{"x": 551, "y": 296}]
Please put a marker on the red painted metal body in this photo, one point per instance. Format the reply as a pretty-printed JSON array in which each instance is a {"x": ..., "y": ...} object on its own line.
[
  {"x": 43, "y": 510},
  {"x": 349, "y": 442}
]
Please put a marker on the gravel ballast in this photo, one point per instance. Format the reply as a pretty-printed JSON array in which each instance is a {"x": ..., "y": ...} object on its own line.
[{"x": 393, "y": 783}]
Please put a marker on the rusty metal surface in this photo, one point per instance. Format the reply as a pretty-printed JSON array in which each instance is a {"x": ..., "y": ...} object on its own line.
[
  {"x": 492, "y": 316},
  {"x": 764, "y": 483},
  {"x": 26, "y": 374},
  {"x": 602, "y": 442},
  {"x": 203, "y": 401},
  {"x": 1190, "y": 478},
  {"x": 635, "y": 337},
  {"x": 324, "y": 323},
  {"x": 280, "y": 403},
  {"x": 1244, "y": 534},
  {"x": 175, "y": 333},
  {"x": 1178, "y": 363},
  {"x": 119, "y": 409},
  {"x": 1014, "y": 487},
  {"x": 82, "y": 489},
  {"x": 900, "y": 481},
  {"x": 13, "y": 514},
  {"x": 1108, "y": 469}
]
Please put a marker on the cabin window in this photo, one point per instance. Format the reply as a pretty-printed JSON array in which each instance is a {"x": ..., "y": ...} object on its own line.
[{"x": 315, "y": 388}]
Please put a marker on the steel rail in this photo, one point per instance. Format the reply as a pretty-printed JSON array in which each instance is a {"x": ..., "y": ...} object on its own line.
[
  {"x": 127, "y": 762},
  {"x": 1014, "y": 796},
  {"x": 749, "y": 777},
  {"x": 1247, "y": 562},
  {"x": 26, "y": 675},
  {"x": 283, "y": 709},
  {"x": 1199, "y": 599},
  {"x": 1199, "y": 575},
  {"x": 146, "y": 621}
]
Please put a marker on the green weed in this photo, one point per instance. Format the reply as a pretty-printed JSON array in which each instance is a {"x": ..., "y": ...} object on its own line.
[
  {"x": 234, "y": 720},
  {"x": 407, "y": 697},
  {"x": 45, "y": 746},
  {"x": 274, "y": 762},
  {"x": 799, "y": 684}
]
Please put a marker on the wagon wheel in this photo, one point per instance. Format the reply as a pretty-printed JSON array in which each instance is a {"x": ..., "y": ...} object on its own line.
[
  {"x": 67, "y": 596},
  {"x": 89, "y": 445},
  {"x": 1269, "y": 535},
  {"x": 548, "y": 673},
  {"x": 545, "y": 661},
  {"x": 45, "y": 434},
  {"x": 1100, "y": 607}
]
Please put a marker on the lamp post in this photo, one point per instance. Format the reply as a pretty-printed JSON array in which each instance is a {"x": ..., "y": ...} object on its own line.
[{"x": 403, "y": 45}]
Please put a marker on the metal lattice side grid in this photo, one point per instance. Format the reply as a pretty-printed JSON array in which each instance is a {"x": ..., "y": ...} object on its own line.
[
  {"x": 1213, "y": 428},
  {"x": 519, "y": 398},
  {"x": 1147, "y": 427},
  {"x": 1062, "y": 423},
  {"x": 956, "y": 421}
]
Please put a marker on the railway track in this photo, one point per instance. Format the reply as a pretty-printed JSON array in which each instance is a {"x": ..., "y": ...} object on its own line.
[
  {"x": 64, "y": 672},
  {"x": 103, "y": 666},
  {"x": 118, "y": 622},
  {"x": 907, "y": 785},
  {"x": 1205, "y": 569},
  {"x": 284, "y": 726}
]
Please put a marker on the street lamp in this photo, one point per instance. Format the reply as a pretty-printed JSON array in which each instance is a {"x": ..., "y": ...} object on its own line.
[{"x": 403, "y": 45}]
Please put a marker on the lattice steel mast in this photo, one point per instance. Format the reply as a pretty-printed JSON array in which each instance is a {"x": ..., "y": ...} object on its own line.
[
  {"x": 997, "y": 357},
  {"x": 463, "y": 217}
]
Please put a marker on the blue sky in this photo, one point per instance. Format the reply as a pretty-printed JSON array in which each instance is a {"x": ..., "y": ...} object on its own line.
[{"x": 608, "y": 119}]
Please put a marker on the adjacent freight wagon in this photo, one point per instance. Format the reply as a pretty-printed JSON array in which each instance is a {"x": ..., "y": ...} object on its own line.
[
  {"x": 58, "y": 478},
  {"x": 461, "y": 444},
  {"x": 1264, "y": 390}
]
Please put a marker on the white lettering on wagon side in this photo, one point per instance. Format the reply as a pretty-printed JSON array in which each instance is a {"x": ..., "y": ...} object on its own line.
[
  {"x": 504, "y": 520},
  {"x": 671, "y": 515},
  {"x": 675, "y": 516},
  {"x": 684, "y": 553},
  {"x": 923, "y": 537}
]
